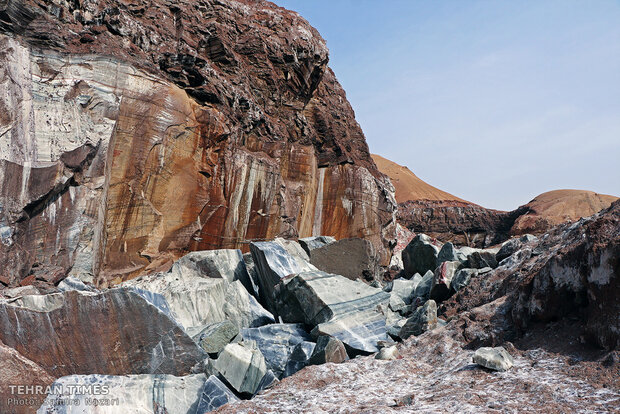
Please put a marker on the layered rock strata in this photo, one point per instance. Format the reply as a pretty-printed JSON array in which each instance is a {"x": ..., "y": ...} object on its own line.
[{"x": 131, "y": 135}]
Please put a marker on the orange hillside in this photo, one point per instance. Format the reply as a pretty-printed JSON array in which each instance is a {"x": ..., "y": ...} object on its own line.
[{"x": 408, "y": 185}]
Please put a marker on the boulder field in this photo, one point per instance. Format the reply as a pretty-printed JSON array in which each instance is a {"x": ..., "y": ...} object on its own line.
[{"x": 498, "y": 326}]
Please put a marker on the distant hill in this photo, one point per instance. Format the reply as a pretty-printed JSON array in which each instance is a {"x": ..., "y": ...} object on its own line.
[
  {"x": 427, "y": 209},
  {"x": 559, "y": 206},
  {"x": 408, "y": 186}
]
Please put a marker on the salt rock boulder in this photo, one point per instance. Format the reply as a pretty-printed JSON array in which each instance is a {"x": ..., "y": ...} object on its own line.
[
  {"x": 353, "y": 258},
  {"x": 509, "y": 247},
  {"x": 334, "y": 305},
  {"x": 404, "y": 289},
  {"x": 18, "y": 370},
  {"x": 113, "y": 332},
  {"x": 449, "y": 253},
  {"x": 328, "y": 349},
  {"x": 138, "y": 393},
  {"x": 214, "y": 337},
  {"x": 299, "y": 357},
  {"x": 420, "y": 255},
  {"x": 497, "y": 359},
  {"x": 243, "y": 366},
  {"x": 276, "y": 342},
  {"x": 273, "y": 262},
  {"x": 423, "y": 319},
  {"x": 442, "y": 280},
  {"x": 423, "y": 288},
  {"x": 482, "y": 258},
  {"x": 222, "y": 263},
  {"x": 196, "y": 301}
]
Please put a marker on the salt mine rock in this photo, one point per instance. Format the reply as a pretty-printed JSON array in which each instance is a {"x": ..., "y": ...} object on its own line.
[
  {"x": 440, "y": 288},
  {"x": 71, "y": 283},
  {"x": 420, "y": 255},
  {"x": 276, "y": 342},
  {"x": 423, "y": 319},
  {"x": 404, "y": 288},
  {"x": 19, "y": 291},
  {"x": 394, "y": 322},
  {"x": 269, "y": 380},
  {"x": 253, "y": 273},
  {"x": 461, "y": 278},
  {"x": 214, "y": 337},
  {"x": 243, "y": 366},
  {"x": 352, "y": 258},
  {"x": 482, "y": 258},
  {"x": 137, "y": 393},
  {"x": 397, "y": 304},
  {"x": 388, "y": 353},
  {"x": 299, "y": 357},
  {"x": 113, "y": 332},
  {"x": 336, "y": 306},
  {"x": 273, "y": 263},
  {"x": 423, "y": 289},
  {"x": 156, "y": 300},
  {"x": 509, "y": 247},
  {"x": 497, "y": 359},
  {"x": 328, "y": 349},
  {"x": 197, "y": 301},
  {"x": 18, "y": 370},
  {"x": 516, "y": 258},
  {"x": 449, "y": 253},
  {"x": 293, "y": 248},
  {"x": 80, "y": 131},
  {"x": 224, "y": 263},
  {"x": 314, "y": 242}
]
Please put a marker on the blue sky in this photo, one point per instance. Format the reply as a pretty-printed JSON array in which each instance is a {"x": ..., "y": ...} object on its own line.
[{"x": 492, "y": 101}]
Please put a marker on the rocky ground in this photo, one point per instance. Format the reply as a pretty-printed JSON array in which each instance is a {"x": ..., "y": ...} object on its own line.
[{"x": 528, "y": 326}]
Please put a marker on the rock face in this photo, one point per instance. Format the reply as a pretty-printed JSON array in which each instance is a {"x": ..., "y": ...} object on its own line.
[
  {"x": 204, "y": 126},
  {"x": 114, "y": 332},
  {"x": 574, "y": 274},
  {"x": 352, "y": 258},
  {"x": 336, "y": 306},
  {"x": 151, "y": 393},
  {"x": 459, "y": 222}
]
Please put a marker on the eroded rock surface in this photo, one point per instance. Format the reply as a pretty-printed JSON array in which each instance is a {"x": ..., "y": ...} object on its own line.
[
  {"x": 113, "y": 332},
  {"x": 134, "y": 134}
]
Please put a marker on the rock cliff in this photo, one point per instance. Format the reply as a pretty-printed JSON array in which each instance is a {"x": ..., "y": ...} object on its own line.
[{"x": 130, "y": 135}]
